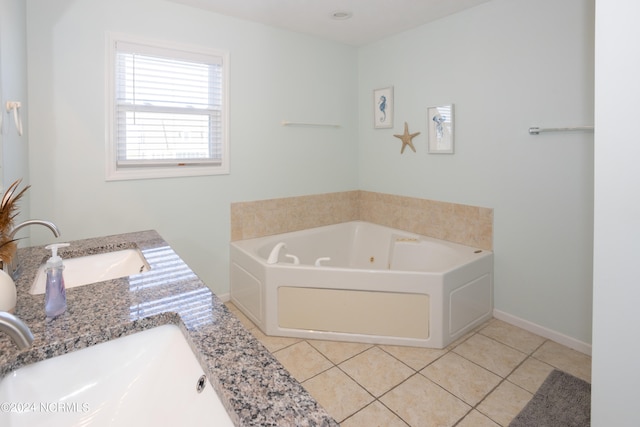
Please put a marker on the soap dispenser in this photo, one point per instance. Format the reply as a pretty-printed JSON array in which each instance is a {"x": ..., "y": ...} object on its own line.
[{"x": 55, "y": 298}]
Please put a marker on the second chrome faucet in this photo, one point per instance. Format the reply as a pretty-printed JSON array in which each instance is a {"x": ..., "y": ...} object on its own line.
[{"x": 13, "y": 268}]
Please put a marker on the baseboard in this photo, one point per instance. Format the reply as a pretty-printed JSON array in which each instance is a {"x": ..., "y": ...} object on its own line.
[
  {"x": 224, "y": 297},
  {"x": 565, "y": 340}
]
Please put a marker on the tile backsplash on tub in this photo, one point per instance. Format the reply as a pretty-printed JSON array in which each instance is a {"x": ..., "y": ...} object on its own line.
[
  {"x": 275, "y": 216},
  {"x": 465, "y": 224}
]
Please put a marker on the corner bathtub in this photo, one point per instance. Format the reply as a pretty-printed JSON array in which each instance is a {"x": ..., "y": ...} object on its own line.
[{"x": 362, "y": 282}]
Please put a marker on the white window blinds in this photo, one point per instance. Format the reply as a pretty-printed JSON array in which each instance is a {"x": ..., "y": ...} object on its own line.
[{"x": 168, "y": 108}]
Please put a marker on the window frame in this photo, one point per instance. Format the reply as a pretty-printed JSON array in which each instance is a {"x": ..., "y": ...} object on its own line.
[{"x": 162, "y": 169}]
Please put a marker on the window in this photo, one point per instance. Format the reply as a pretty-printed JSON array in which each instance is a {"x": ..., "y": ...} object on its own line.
[{"x": 169, "y": 111}]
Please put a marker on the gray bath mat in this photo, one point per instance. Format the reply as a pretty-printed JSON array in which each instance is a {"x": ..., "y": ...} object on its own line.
[{"x": 561, "y": 401}]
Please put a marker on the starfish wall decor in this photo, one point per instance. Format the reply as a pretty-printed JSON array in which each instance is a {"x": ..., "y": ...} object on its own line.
[{"x": 406, "y": 138}]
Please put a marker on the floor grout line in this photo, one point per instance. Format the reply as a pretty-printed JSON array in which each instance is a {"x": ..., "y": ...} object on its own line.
[{"x": 482, "y": 330}]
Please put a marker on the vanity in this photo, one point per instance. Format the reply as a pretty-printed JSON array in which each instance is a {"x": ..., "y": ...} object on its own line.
[{"x": 253, "y": 387}]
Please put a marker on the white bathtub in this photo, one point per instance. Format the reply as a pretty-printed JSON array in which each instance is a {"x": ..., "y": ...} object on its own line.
[{"x": 380, "y": 285}]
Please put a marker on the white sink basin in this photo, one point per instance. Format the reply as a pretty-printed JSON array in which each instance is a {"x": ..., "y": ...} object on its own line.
[
  {"x": 95, "y": 268},
  {"x": 145, "y": 379}
]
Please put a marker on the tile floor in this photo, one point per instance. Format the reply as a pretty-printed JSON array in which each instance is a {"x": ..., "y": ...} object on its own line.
[{"x": 483, "y": 379}]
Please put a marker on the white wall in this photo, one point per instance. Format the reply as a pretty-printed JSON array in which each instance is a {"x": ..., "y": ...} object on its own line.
[
  {"x": 13, "y": 87},
  {"x": 274, "y": 75},
  {"x": 617, "y": 216},
  {"x": 506, "y": 65}
]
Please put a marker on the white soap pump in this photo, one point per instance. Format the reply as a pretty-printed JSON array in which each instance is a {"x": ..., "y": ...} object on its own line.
[{"x": 55, "y": 298}]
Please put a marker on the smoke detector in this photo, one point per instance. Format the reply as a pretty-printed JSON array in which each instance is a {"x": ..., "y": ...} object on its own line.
[{"x": 341, "y": 15}]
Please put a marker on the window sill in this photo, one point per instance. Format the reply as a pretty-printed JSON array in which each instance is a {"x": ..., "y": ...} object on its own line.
[{"x": 164, "y": 172}]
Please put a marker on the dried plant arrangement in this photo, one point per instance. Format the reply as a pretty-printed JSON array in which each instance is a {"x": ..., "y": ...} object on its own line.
[{"x": 8, "y": 211}]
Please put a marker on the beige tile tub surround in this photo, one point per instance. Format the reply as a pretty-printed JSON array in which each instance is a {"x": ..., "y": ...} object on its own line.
[
  {"x": 464, "y": 224},
  {"x": 468, "y": 225},
  {"x": 274, "y": 216}
]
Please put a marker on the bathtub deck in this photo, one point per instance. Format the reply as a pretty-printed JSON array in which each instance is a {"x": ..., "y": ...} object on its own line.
[{"x": 368, "y": 283}]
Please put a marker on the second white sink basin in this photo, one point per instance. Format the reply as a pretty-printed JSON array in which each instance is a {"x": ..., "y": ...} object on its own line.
[
  {"x": 95, "y": 268},
  {"x": 150, "y": 378}
]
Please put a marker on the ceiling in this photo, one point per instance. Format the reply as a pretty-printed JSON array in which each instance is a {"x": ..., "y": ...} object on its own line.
[{"x": 370, "y": 20}]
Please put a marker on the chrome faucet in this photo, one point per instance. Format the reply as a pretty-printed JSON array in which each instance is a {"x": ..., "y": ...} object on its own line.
[
  {"x": 17, "y": 330},
  {"x": 13, "y": 268}
]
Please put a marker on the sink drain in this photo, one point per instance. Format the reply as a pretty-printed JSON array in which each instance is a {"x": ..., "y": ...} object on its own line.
[{"x": 201, "y": 384}]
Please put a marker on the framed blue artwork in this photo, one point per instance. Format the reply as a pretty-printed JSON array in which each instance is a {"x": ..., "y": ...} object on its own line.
[{"x": 383, "y": 108}]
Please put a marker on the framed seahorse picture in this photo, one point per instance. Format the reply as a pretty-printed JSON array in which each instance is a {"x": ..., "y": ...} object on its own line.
[
  {"x": 383, "y": 108},
  {"x": 440, "y": 125}
]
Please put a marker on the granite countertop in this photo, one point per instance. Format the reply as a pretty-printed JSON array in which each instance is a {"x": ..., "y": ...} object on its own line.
[{"x": 254, "y": 387}]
